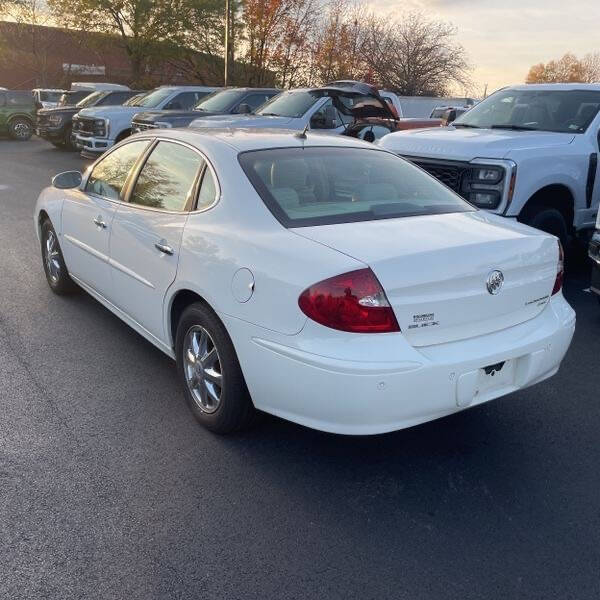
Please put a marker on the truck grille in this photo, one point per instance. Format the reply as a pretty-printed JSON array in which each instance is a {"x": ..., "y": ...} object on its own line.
[
  {"x": 449, "y": 173},
  {"x": 86, "y": 127}
]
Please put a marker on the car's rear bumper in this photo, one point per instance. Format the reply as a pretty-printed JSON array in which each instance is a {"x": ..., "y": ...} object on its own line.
[{"x": 368, "y": 384}]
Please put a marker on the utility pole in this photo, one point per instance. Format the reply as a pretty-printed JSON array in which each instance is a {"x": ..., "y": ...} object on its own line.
[{"x": 226, "y": 74}]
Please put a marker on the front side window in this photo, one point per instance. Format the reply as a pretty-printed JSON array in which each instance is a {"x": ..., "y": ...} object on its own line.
[
  {"x": 109, "y": 176},
  {"x": 561, "y": 111},
  {"x": 167, "y": 178},
  {"x": 304, "y": 187},
  {"x": 183, "y": 101}
]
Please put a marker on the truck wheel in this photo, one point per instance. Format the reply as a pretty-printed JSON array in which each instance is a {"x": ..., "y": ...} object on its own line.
[
  {"x": 549, "y": 220},
  {"x": 20, "y": 129}
]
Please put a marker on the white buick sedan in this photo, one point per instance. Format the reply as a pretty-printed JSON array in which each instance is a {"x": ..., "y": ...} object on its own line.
[{"x": 317, "y": 278}]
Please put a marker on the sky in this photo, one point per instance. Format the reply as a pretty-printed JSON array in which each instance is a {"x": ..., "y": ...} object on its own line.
[{"x": 503, "y": 38}]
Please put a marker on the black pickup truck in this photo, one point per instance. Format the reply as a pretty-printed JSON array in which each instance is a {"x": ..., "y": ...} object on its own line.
[
  {"x": 56, "y": 124},
  {"x": 223, "y": 102}
]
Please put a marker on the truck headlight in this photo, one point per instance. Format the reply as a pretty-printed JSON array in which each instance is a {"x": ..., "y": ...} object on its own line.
[
  {"x": 488, "y": 174},
  {"x": 163, "y": 125},
  {"x": 483, "y": 185}
]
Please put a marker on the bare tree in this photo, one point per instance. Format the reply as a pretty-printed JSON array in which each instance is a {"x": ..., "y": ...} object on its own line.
[{"x": 415, "y": 55}]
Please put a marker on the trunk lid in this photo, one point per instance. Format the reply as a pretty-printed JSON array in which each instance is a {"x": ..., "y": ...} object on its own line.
[{"x": 435, "y": 270}]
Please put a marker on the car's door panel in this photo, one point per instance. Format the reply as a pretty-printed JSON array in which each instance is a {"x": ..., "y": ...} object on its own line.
[
  {"x": 86, "y": 226},
  {"x": 87, "y": 217},
  {"x": 147, "y": 232}
]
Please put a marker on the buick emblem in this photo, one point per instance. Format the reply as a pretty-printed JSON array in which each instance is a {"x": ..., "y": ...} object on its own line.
[{"x": 494, "y": 282}]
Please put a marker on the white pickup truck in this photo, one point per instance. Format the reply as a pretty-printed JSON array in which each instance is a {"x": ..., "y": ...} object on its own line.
[
  {"x": 97, "y": 129},
  {"x": 529, "y": 152}
]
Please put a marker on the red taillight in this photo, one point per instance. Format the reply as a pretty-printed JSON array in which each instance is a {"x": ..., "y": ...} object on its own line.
[
  {"x": 353, "y": 302},
  {"x": 560, "y": 270}
]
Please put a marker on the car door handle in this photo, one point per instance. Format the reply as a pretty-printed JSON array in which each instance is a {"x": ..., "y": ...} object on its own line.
[
  {"x": 163, "y": 247},
  {"x": 99, "y": 222}
]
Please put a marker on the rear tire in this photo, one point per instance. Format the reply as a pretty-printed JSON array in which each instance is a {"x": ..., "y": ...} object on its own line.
[
  {"x": 210, "y": 372},
  {"x": 549, "y": 220},
  {"x": 20, "y": 129},
  {"x": 55, "y": 268}
]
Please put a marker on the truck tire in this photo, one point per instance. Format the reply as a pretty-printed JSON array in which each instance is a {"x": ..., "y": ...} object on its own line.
[
  {"x": 20, "y": 129},
  {"x": 549, "y": 220}
]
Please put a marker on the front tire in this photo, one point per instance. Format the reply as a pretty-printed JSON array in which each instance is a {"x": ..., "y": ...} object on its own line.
[
  {"x": 549, "y": 220},
  {"x": 55, "y": 268},
  {"x": 20, "y": 129},
  {"x": 210, "y": 372}
]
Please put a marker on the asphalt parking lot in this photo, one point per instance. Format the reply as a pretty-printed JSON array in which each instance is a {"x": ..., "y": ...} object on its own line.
[{"x": 109, "y": 489}]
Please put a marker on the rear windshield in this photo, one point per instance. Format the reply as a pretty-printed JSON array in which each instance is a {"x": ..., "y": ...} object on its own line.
[{"x": 304, "y": 187}]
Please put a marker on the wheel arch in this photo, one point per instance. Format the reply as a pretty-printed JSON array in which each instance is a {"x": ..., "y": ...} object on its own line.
[
  {"x": 178, "y": 302},
  {"x": 122, "y": 135},
  {"x": 25, "y": 116},
  {"x": 555, "y": 195}
]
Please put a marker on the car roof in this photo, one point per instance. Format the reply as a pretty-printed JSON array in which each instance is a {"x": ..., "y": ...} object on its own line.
[
  {"x": 257, "y": 138},
  {"x": 555, "y": 86},
  {"x": 250, "y": 89}
]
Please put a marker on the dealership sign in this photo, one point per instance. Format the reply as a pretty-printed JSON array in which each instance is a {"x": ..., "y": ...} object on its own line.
[{"x": 84, "y": 69}]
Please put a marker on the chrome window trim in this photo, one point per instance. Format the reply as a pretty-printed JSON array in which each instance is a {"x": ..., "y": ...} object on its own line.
[{"x": 139, "y": 165}]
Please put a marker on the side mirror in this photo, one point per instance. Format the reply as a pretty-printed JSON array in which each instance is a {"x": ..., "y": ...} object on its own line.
[
  {"x": 67, "y": 180},
  {"x": 244, "y": 109}
]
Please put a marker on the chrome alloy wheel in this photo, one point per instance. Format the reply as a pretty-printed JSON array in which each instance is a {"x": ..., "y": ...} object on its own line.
[
  {"x": 52, "y": 257},
  {"x": 22, "y": 130},
  {"x": 202, "y": 369}
]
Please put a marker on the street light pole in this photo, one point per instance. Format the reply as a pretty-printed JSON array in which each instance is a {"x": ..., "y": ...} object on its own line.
[{"x": 226, "y": 74}]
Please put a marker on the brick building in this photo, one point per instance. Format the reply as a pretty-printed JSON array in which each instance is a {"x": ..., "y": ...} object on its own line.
[{"x": 37, "y": 56}]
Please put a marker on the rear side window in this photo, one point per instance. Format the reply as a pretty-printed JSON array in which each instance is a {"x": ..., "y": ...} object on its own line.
[
  {"x": 167, "y": 179},
  {"x": 110, "y": 174},
  {"x": 304, "y": 187},
  {"x": 19, "y": 99}
]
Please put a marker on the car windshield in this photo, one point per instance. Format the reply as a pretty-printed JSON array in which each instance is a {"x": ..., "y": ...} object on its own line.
[
  {"x": 219, "y": 101},
  {"x": 289, "y": 104},
  {"x": 304, "y": 187},
  {"x": 90, "y": 100},
  {"x": 563, "y": 111},
  {"x": 154, "y": 98}
]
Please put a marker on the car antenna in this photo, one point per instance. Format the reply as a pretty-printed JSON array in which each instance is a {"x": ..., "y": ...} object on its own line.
[{"x": 302, "y": 134}]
